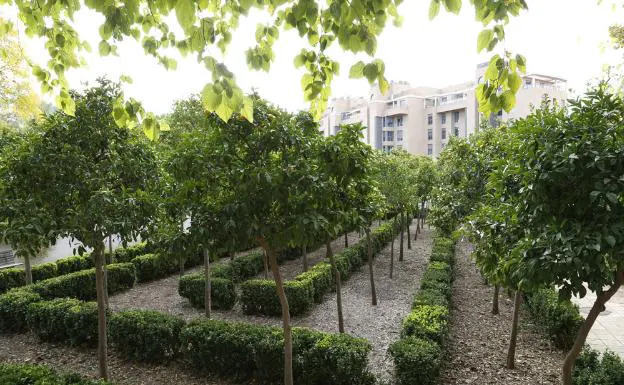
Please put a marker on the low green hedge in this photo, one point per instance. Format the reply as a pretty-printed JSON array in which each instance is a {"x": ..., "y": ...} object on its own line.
[
  {"x": 81, "y": 284},
  {"x": 592, "y": 369},
  {"x": 246, "y": 351},
  {"x": 222, "y": 291},
  {"x": 247, "y": 266},
  {"x": 14, "y": 309},
  {"x": 146, "y": 335},
  {"x": 321, "y": 277},
  {"x": 222, "y": 270},
  {"x": 27, "y": 374},
  {"x": 44, "y": 271},
  {"x": 559, "y": 319},
  {"x": 416, "y": 361},
  {"x": 74, "y": 263},
  {"x": 127, "y": 254},
  {"x": 64, "y": 319},
  {"x": 259, "y": 296},
  {"x": 11, "y": 278},
  {"x": 430, "y": 297},
  {"x": 154, "y": 266},
  {"x": 427, "y": 322}
]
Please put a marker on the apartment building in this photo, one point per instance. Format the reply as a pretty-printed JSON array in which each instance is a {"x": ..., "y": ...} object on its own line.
[{"x": 422, "y": 119}]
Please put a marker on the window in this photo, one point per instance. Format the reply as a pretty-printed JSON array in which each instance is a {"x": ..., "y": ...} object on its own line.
[
  {"x": 430, "y": 134},
  {"x": 429, "y": 149},
  {"x": 500, "y": 113},
  {"x": 389, "y": 136},
  {"x": 389, "y": 122},
  {"x": 443, "y": 99},
  {"x": 443, "y": 118},
  {"x": 399, "y": 136},
  {"x": 443, "y": 133},
  {"x": 336, "y": 129},
  {"x": 403, "y": 103},
  {"x": 455, "y": 116},
  {"x": 430, "y": 119},
  {"x": 456, "y": 131},
  {"x": 399, "y": 121}
]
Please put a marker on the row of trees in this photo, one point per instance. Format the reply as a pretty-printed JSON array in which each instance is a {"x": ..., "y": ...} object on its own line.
[
  {"x": 207, "y": 185},
  {"x": 542, "y": 199}
]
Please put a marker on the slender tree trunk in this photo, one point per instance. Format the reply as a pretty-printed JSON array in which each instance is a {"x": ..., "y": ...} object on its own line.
[
  {"x": 332, "y": 260},
  {"x": 265, "y": 261},
  {"x": 110, "y": 249},
  {"x": 305, "y": 258},
  {"x": 207, "y": 286},
  {"x": 279, "y": 284},
  {"x": 495, "y": 300},
  {"x": 407, "y": 227},
  {"x": 422, "y": 214},
  {"x": 101, "y": 304},
  {"x": 402, "y": 232},
  {"x": 391, "y": 256},
  {"x": 417, "y": 224},
  {"x": 370, "y": 267},
  {"x": 511, "y": 353},
  {"x": 27, "y": 269},
  {"x": 105, "y": 269},
  {"x": 346, "y": 237},
  {"x": 181, "y": 265},
  {"x": 581, "y": 336}
]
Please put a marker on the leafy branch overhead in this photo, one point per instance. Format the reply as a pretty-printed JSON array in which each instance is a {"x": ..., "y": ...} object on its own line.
[{"x": 354, "y": 25}]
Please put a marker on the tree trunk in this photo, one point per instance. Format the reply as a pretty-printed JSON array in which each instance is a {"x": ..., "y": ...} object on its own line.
[
  {"x": 279, "y": 284},
  {"x": 511, "y": 353},
  {"x": 346, "y": 239},
  {"x": 181, "y": 264},
  {"x": 495, "y": 300},
  {"x": 422, "y": 214},
  {"x": 101, "y": 304},
  {"x": 265, "y": 261},
  {"x": 27, "y": 269},
  {"x": 402, "y": 232},
  {"x": 305, "y": 258},
  {"x": 407, "y": 227},
  {"x": 370, "y": 267},
  {"x": 332, "y": 260},
  {"x": 391, "y": 256},
  {"x": 207, "y": 288},
  {"x": 105, "y": 269},
  {"x": 581, "y": 336},
  {"x": 110, "y": 249}
]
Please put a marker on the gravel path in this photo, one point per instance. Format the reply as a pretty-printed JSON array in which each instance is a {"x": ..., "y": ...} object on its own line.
[{"x": 478, "y": 341}]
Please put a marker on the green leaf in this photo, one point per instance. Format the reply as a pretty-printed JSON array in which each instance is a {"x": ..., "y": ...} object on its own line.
[
  {"x": 514, "y": 81},
  {"x": 299, "y": 60},
  {"x": 224, "y": 111},
  {"x": 104, "y": 48},
  {"x": 247, "y": 111},
  {"x": 210, "y": 99},
  {"x": 125, "y": 79},
  {"x": 508, "y": 99},
  {"x": 453, "y": 6},
  {"x": 185, "y": 13},
  {"x": 610, "y": 240},
  {"x": 484, "y": 39},
  {"x": 357, "y": 70},
  {"x": 370, "y": 72}
]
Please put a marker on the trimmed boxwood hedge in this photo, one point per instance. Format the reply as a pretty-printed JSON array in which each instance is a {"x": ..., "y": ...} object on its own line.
[
  {"x": 222, "y": 291},
  {"x": 64, "y": 319},
  {"x": 416, "y": 361},
  {"x": 28, "y": 374},
  {"x": 592, "y": 369},
  {"x": 14, "y": 309},
  {"x": 127, "y": 254},
  {"x": 246, "y": 266},
  {"x": 154, "y": 266},
  {"x": 11, "y": 278},
  {"x": 74, "y": 263},
  {"x": 259, "y": 296},
  {"x": 246, "y": 351},
  {"x": 146, "y": 335},
  {"x": 427, "y": 322}
]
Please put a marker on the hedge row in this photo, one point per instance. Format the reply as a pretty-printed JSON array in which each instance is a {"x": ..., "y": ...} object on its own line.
[
  {"x": 222, "y": 292},
  {"x": 591, "y": 368},
  {"x": 27, "y": 374},
  {"x": 259, "y": 296},
  {"x": 559, "y": 319},
  {"x": 15, "y": 277},
  {"x": 417, "y": 354}
]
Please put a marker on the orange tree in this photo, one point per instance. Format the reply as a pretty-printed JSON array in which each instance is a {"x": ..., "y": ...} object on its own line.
[{"x": 92, "y": 177}]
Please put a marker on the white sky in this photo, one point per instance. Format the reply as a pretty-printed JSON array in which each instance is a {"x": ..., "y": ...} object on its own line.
[{"x": 559, "y": 37}]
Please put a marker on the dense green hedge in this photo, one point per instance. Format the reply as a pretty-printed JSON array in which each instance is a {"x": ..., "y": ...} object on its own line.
[
  {"x": 11, "y": 278},
  {"x": 592, "y": 369},
  {"x": 418, "y": 354},
  {"x": 222, "y": 291},
  {"x": 559, "y": 319},
  {"x": 154, "y": 266},
  {"x": 14, "y": 310},
  {"x": 247, "y": 266},
  {"x": 245, "y": 351},
  {"x": 27, "y": 374},
  {"x": 259, "y": 296},
  {"x": 74, "y": 263},
  {"x": 127, "y": 254},
  {"x": 146, "y": 335},
  {"x": 64, "y": 319},
  {"x": 81, "y": 284}
]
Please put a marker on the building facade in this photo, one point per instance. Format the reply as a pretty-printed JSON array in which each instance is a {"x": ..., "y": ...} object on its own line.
[{"x": 422, "y": 119}]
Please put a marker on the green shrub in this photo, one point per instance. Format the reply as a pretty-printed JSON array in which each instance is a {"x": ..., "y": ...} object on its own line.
[
  {"x": 591, "y": 369},
  {"x": 44, "y": 271},
  {"x": 14, "y": 309},
  {"x": 247, "y": 266},
  {"x": 560, "y": 320},
  {"x": 246, "y": 351},
  {"x": 154, "y": 266},
  {"x": 430, "y": 322},
  {"x": 442, "y": 256},
  {"x": 430, "y": 297},
  {"x": 127, "y": 254},
  {"x": 436, "y": 274},
  {"x": 146, "y": 335},
  {"x": 259, "y": 296},
  {"x": 11, "y": 278},
  {"x": 222, "y": 291},
  {"x": 27, "y": 374},
  {"x": 444, "y": 244},
  {"x": 74, "y": 263},
  {"x": 64, "y": 320},
  {"x": 321, "y": 277},
  {"x": 416, "y": 361},
  {"x": 442, "y": 287},
  {"x": 81, "y": 284},
  {"x": 222, "y": 270}
]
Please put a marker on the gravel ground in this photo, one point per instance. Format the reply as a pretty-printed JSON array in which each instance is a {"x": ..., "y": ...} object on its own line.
[{"x": 478, "y": 341}]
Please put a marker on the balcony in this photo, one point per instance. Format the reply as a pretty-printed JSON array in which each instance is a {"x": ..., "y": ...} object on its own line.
[{"x": 396, "y": 110}]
